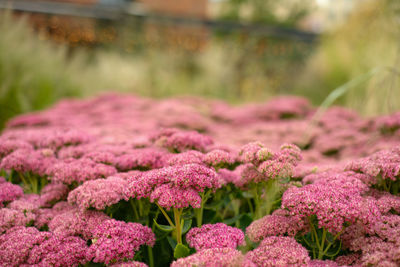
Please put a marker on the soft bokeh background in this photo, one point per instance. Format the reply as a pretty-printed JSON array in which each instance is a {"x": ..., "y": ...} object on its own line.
[{"x": 236, "y": 50}]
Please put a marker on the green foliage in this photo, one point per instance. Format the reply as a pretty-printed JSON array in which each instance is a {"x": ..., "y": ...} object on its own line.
[
  {"x": 33, "y": 73},
  {"x": 181, "y": 251},
  {"x": 368, "y": 40}
]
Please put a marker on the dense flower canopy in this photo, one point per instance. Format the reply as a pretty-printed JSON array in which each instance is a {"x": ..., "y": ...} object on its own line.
[{"x": 130, "y": 181}]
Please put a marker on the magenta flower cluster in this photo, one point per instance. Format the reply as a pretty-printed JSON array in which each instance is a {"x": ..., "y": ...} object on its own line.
[
  {"x": 217, "y": 235},
  {"x": 115, "y": 240}
]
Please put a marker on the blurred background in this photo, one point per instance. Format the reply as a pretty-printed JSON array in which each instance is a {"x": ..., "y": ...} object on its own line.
[{"x": 235, "y": 50}]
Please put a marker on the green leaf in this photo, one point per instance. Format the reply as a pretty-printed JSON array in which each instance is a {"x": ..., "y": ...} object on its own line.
[
  {"x": 187, "y": 215},
  {"x": 162, "y": 227},
  {"x": 186, "y": 226},
  {"x": 181, "y": 251},
  {"x": 171, "y": 242}
]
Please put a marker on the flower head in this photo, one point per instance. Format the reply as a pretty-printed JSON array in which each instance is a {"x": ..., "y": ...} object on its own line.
[
  {"x": 217, "y": 235},
  {"x": 117, "y": 240},
  {"x": 79, "y": 170},
  {"x": 273, "y": 225},
  {"x": 76, "y": 223},
  {"x": 9, "y": 192},
  {"x": 59, "y": 251},
  {"x": 212, "y": 257},
  {"x": 279, "y": 251},
  {"x": 17, "y": 242},
  {"x": 98, "y": 193}
]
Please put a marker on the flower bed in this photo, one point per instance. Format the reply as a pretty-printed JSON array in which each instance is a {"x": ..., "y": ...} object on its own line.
[{"x": 127, "y": 181}]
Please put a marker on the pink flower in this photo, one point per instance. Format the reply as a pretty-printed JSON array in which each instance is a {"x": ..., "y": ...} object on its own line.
[
  {"x": 212, "y": 257},
  {"x": 249, "y": 153},
  {"x": 170, "y": 196},
  {"x": 53, "y": 193},
  {"x": 332, "y": 204},
  {"x": 77, "y": 171},
  {"x": 59, "y": 251},
  {"x": 321, "y": 263},
  {"x": 143, "y": 158},
  {"x": 179, "y": 141},
  {"x": 219, "y": 158},
  {"x": 11, "y": 217},
  {"x": 176, "y": 185},
  {"x": 9, "y": 192},
  {"x": 187, "y": 157},
  {"x": 17, "y": 242},
  {"x": 130, "y": 264},
  {"x": 279, "y": 251},
  {"x": 76, "y": 223},
  {"x": 117, "y": 240},
  {"x": 385, "y": 162},
  {"x": 8, "y": 146},
  {"x": 273, "y": 225},
  {"x": 98, "y": 194},
  {"x": 217, "y": 235}
]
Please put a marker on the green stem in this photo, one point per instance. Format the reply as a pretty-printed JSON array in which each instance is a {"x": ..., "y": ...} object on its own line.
[
  {"x": 177, "y": 217},
  {"x": 151, "y": 258},
  {"x": 258, "y": 212},
  {"x": 272, "y": 190},
  {"x": 165, "y": 215},
  {"x": 321, "y": 251},
  {"x": 140, "y": 207},
  {"x": 135, "y": 212},
  {"x": 330, "y": 244},
  {"x": 314, "y": 233},
  {"x": 26, "y": 184},
  {"x": 250, "y": 206},
  {"x": 34, "y": 183},
  {"x": 199, "y": 212}
]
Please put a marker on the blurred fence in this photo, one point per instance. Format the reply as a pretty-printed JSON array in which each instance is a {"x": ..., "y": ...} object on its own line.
[
  {"x": 120, "y": 11},
  {"x": 243, "y": 60}
]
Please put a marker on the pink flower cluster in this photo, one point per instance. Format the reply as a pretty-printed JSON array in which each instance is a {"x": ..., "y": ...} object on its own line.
[
  {"x": 279, "y": 251},
  {"x": 385, "y": 163},
  {"x": 73, "y": 222},
  {"x": 104, "y": 151},
  {"x": 179, "y": 141},
  {"x": 263, "y": 164},
  {"x": 212, "y": 257},
  {"x": 114, "y": 241},
  {"x": 70, "y": 171},
  {"x": 332, "y": 205},
  {"x": 9, "y": 192},
  {"x": 98, "y": 193},
  {"x": 274, "y": 225},
  {"x": 176, "y": 186},
  {"x": 217, "y": 235}
]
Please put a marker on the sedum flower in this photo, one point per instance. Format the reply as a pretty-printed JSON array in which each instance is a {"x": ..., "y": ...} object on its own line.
[
  {"x": 115, "y": 240},
  {"x": 78, "y": 170},
  {"x": 217, "y": 235},
  {"x": 76, "y": 223},
  {"x": 98, "y": 194},
  {"x": 59, "y": 251},
  {"x": 212, "y": 257},
  {"x": 273, "y": 225},
  {"x": 17, "y": 242},
  {"x": 9, "y": 192},
  {"x": 279, "y": 251}
]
